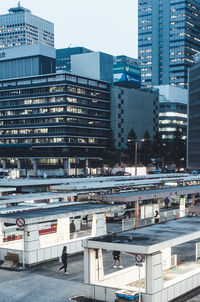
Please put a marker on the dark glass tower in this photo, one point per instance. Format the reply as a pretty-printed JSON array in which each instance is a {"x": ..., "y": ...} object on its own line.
[
  {"x": 193, "y": 143},
  {"x": 168, "y": 38}
]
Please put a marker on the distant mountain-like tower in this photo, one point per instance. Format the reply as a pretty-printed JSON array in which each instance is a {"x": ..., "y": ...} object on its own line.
[
  {"x": 168, "y": 38},
  {"x": 19, "y": 27}
]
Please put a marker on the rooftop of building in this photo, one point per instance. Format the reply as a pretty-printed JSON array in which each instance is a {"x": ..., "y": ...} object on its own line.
[
  {"x": 70, "y": 50},
  {"x": 148, "y": 194},
  {"x": 25, "y": 51},
  {"x": 150, "y": 239},
  {"x": 19, "y": 9},
  {"x": 48, "y": 78},
  {"x": 55, "y": 210},
  {"x": 30, "y": 197},
  {"x": 53, "y": 181}
]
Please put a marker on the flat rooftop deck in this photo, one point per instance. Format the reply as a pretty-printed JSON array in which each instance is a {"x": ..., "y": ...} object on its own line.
[
  {"x": 115, "y": 183},
  {"x": 10, "y": 189},
  {"x": 54, "y": 181},
  {"x": 152, "y": 238},
  {"x": 19, "y": 198},
  {"x": 147, "y": 194},
  {"x": 67, "y": 210}
]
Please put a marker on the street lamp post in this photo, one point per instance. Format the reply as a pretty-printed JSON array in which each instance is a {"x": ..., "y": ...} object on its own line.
[{"x": 136, "y": 150}]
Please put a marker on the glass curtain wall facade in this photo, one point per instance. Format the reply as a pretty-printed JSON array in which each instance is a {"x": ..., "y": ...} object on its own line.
[
  {"x": 54, "y": 116},
  {"x": 168, "y": 38},
  {"x": 20, "y": 27},
  {"x": 193, "y": 145}
]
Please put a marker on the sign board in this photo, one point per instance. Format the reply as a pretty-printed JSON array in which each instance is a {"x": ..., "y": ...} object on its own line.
[
  {"x": 124, "y": 77},
  {"x": 126, "y": 68},
  {"x": 47, "y": 227},
  {"x": 139, "y": 258},
  {"x": 20, "y": 222}
]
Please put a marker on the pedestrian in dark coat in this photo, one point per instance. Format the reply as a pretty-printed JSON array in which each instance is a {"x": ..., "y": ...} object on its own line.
[
  {"x": 157, "y": 217},
  {"x": 64, "y": 260}
]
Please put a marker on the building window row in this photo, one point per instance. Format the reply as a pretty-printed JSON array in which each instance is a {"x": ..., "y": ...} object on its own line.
[
  {"x": 54, "y": 140},
  {"x": 44, "y": 90}
]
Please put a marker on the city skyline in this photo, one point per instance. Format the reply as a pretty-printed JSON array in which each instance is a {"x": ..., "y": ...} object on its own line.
[{"x": 92, "y": 19}]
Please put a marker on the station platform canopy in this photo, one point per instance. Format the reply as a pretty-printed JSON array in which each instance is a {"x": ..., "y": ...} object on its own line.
[
  {"x": 5, "y": 190},
  {"x": 54, "y": 181},
  {"x": 147, "y": 194},
  {"x": 150, "y": 239},
  {"x": 20, "y": 198},
  {"x": 60, "y": 210}
]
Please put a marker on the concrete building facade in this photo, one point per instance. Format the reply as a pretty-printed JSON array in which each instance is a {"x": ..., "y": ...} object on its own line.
[
  {"x": 133, "y": 109},
  {"x": 95, "y": 65},
  {"x": 21, "y": 27},
  {"x": 168, "y": 38},
  {"x": 25, "y": 61}
]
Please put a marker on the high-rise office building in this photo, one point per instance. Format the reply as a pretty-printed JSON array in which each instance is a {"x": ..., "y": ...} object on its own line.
[
  {"x": 19, "y": 27},
  {"x": 168, "y": 38},
  {"x": 193, "y": 142}
]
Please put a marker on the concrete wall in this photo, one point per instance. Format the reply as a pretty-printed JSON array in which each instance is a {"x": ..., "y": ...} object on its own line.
[
  {"x": 43, "y": 254},
  {"x": 173, "y": 288},
  {"x": 185, "y": 283},
  {"x": 123, "y": 277}
]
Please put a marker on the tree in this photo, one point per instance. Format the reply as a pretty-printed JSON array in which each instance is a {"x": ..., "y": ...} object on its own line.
[
  {"x": 158, "y": 148},
  {"x": 146, "y": 149},
  {"x": 111, "y": 155},
  {"x": 131, "y": 141},
  {"x": 178, "y": 151},
  {"x": 111, "y": 142}
]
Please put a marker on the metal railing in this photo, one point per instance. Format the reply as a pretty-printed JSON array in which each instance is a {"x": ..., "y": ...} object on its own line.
[{"x": 130, "y": 223}]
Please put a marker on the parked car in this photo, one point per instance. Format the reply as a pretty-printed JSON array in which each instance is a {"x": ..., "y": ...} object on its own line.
[{"x": 122, "y": 173}]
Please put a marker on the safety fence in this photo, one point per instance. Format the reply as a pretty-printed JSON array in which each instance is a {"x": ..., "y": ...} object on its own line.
[{"x": 164, "y": 216}]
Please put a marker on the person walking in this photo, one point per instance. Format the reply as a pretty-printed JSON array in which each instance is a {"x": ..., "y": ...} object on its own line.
[
  {"x": 157, "y": 217},
  {"x": 64, "y": 260},
  {"x": 116, "y": 258},
  {"x": 166, "y": 201}
]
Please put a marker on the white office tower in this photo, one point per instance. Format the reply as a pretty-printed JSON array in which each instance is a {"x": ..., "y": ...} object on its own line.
[{"x": 19, "y": 27}]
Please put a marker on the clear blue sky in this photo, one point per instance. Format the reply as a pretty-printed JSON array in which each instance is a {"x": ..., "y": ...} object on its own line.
[{"x": 105, "y": 25}]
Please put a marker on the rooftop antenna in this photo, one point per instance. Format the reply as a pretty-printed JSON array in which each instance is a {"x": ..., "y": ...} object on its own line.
[{"x": 19, "y": 4}]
